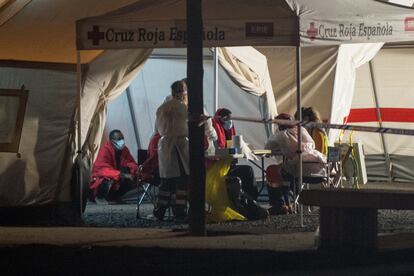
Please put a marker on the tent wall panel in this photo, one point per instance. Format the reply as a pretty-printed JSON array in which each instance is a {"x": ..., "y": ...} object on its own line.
[
  {"x": 376, "y": 167},
  {"x": 392, "y": 70},
  {"x": 34, "y": 177},
  {"x": 318, "y": 74}
]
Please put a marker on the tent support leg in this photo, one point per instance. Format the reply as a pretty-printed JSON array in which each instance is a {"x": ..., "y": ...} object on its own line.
[
  {"x": 299, "y": 118},
  {"x": 133, "y": 117},
  {"x": 197, "y": 200},
  {"x": 215, "y": 79},
  {"x": 79, "y": 142},
  {"x": 379, "y": 118}
]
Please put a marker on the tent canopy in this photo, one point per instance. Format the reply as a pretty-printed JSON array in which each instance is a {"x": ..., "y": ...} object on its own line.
[
  {"x": 43, "y": 31},
  {"x": 243, "y": 22}
]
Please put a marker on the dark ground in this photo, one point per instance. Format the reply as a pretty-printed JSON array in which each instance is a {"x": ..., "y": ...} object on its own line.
[
  {"x": 49, "y": 260},
  {"x": 389, "y": 221},
  {"x": 121, "y": 260}
]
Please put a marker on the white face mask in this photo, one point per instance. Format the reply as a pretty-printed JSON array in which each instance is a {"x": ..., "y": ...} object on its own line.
[
  {"x": 120, "y": 144},
  {"x": 228, "y": 124}
]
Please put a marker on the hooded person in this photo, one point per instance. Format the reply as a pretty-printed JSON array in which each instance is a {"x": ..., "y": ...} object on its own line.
[
  {"x": 114, "y": 170},
  {"x": 148, "y": 170},
  {"x": 173, "y": 153},
  {"x": 285, "y": 140},
  {"x": 240, "y": 181},
  {"x": 223, "y": 124}
]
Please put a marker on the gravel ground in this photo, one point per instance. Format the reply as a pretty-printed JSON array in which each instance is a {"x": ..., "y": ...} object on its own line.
[{"x": 389, "y": 221}]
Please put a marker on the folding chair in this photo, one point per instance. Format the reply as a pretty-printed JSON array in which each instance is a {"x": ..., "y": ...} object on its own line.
[
  {"x": 334, "y": 161},
  {"x": 145, "y": 189},
  {"x": 333, "y": 156}
]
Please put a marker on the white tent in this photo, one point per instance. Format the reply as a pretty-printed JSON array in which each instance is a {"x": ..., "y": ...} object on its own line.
[
  {"x": 37, "y": 41},
  {"x": 40, "y": 173},
  {"x": 384, "y": 96},
  {"x": 136, "y": 108},
  {"x": 242, "y": 22}
]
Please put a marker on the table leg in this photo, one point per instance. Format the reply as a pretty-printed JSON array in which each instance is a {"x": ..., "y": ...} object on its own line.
[{"x": 263, "y": 174}]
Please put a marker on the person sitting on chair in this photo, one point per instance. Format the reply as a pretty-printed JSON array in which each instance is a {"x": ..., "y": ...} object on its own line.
[
  {"x": 285, "y": 139},
  {"x": 114, "y": 170},
  {"x": 148, "y": 170},
  {"x": 319, "y": 136},
  {"x": 223, "y": 124},
  {"x": 240, "y": 181}
]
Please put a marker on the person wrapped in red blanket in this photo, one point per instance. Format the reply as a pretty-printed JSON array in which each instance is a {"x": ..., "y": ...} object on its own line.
[
  {"x": 114, "y": 170},
  {"x": 148, "y": 170}
]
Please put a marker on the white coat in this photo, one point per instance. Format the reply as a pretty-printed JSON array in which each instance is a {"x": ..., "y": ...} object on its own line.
[
  {"x": 286, "y": 141},
  {"x": 171, "y": 124},
  {"x": 211, "y": 135}
]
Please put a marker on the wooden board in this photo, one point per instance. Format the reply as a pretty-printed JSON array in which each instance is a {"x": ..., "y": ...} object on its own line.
[{"x": 363, "y": 198}]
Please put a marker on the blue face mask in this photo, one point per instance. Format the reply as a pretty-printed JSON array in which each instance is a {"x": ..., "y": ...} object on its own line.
[
  {"x": 228, "y": 124},
  {"x": 120, "y": 144}
]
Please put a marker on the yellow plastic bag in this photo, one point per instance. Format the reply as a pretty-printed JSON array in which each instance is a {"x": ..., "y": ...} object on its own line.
[{"x": 216, "y": 193}]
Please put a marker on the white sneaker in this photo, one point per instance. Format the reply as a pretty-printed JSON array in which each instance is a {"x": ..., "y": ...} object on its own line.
[{"x": 101, "y": 201}]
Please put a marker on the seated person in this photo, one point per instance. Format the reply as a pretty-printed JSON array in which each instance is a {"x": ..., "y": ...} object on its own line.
[
  {"x": 225, "y": 130},
  {"x": 241, "y": 183},
  {"x": 285, "y": 140},
  {"x": 148, "y": 170},
  {"x": 318, "y": 135},
  {"x": 114, "y": 170}
]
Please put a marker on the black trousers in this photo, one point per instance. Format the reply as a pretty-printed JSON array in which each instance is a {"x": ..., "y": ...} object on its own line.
[
  {"x": 125, "y": 185},
  {"x": 248, "y": 181}
]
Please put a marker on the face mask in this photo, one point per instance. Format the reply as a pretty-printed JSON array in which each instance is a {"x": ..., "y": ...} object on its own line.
[
  {"x": 120, "y": 144},
  {"x": 228, "y": 124}
]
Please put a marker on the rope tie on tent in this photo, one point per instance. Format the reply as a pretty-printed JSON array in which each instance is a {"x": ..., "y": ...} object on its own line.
[{"x": 103, "y": 98}]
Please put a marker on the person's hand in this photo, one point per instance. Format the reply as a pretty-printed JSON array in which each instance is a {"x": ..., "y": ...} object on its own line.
[{"x": 126, "y": 176}]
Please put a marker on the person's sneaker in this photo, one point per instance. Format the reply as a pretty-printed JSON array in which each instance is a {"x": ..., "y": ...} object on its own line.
[
  {"x": 113, "y": 200},
  {"x": 101, "y": 201},
  {"x": 181, "y": 220},
  {"x": 179, "y": 213},
  {"x": 159, "y": 213},
  {"x": 283, "y": 210},
  {"x": 116, "y": 201},
  {"x": 103, "y": 189},
  {"x": 290, "y": 208}
]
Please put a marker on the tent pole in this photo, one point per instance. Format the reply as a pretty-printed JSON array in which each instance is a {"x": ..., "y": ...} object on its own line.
[
  {"x": 379, "y": 118},
  {"x": 215, "y": 79},
  {"x": 79, "y": 152},
  {"x": 133, "y": 117},
  {"x": 299, "y": 118},
  {"x": 197, "y": 199}
]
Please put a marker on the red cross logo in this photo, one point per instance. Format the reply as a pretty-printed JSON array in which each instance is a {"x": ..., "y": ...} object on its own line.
[
  {"x": 409, "y": 24},
  {"x": 96, "y": 35},
  {"x": 312, "y": 31}
]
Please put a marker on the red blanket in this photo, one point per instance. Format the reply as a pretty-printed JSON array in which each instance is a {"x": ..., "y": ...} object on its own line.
[
  {"x": 150, "y": 166},
  {"x": 105, "y": 166}
]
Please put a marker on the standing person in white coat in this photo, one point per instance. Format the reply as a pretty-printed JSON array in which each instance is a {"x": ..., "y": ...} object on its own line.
[{"x": 173, "y": 153}]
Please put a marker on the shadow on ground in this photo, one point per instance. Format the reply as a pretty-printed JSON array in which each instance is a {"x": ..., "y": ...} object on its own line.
[{"x": 154, "y": 261}]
